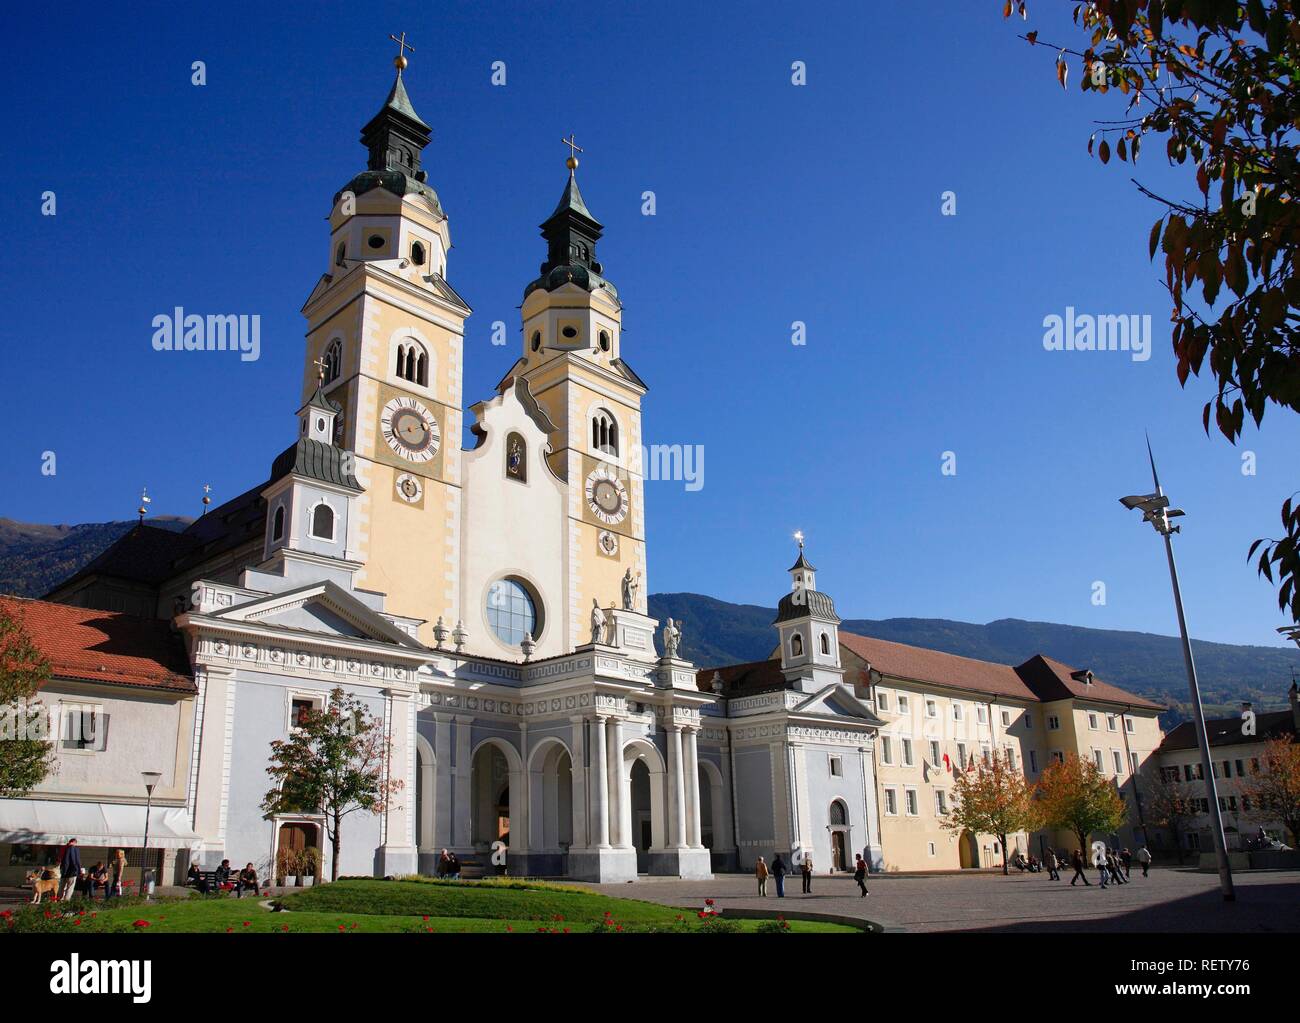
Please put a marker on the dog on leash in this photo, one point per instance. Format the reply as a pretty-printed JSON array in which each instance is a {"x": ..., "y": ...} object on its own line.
[{"x": 43, "y": 883}]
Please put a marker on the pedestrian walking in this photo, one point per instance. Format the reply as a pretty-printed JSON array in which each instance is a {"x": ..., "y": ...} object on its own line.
[
  {"x": 779, "y": 872},
  {"x": 860, "y": 876},
  {"x": 116, "y": 874},
  {"x": 69, "y": 869},
  {"x": 1051, "y": 864},
  {"x": 806, "y": 871},
  {"x": 1076, "y": 861},
  {"x": 1144, "y": 858},
  {"x": 1112, "y": 865},
  {"x": 760, "y": 872},
  {"x": 1126, "y": 858}
]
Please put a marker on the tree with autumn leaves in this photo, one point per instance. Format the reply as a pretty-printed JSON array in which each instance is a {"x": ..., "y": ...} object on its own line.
[
  {"x": 26, "y": 754},
  {"x": 334, "y": 763},
  {"x": 1073, "y": 795},
  {"x": 994, "y": 799},
  {"x": 1274, "y": 788},
  {"x": 1216, "y": 81},
  {"x": 1170, "y": 803}
]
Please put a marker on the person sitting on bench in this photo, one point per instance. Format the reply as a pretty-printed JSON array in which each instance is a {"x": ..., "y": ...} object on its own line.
[{"x": 247, "y": 879}]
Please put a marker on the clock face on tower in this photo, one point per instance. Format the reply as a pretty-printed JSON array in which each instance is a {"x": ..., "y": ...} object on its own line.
[
  {"x": 410, "y": 429},
  {"x": 606, "y": 495}
]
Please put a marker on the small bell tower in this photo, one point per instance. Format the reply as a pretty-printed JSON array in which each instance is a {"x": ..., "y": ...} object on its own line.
[{"x": 809, "y": 629}]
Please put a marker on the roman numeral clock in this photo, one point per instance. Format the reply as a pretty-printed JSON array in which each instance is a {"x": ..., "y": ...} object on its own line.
[
  {"x": 410, "y": 429},
  {"x": 606, "y": 495}
]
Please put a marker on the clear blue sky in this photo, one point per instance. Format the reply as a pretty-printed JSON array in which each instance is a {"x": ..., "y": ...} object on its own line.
[{"x": 776, "y": 203}]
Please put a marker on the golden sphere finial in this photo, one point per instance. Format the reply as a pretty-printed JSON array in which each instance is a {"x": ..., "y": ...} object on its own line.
[
  {"x": 400, "y": 63},
  {"x": 571, "y": 163}
]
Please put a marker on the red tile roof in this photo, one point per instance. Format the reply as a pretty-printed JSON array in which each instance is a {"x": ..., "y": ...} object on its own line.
[
  {"x": 918, "y": 664},
  {"x": 1051, "y": 680},
  {"x": 739, "y": 679},
  {"x": 104, "y": 646}
]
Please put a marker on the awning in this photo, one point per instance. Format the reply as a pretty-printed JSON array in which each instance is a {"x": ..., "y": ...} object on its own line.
[{"x": 53, "y": 822}]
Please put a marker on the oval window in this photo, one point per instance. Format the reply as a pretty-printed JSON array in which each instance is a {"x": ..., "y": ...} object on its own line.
[
  {"x": 570, "y": 331},
  {"x": 375, "y": 241},
  {"x": 604, "y": 340},
  {"x": 537, "y": 340}
]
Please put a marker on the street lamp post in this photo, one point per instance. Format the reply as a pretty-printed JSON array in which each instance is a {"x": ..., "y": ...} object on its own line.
[
  {"x": 150, "y": 781},
  {"x": 1155, "y": 509}
]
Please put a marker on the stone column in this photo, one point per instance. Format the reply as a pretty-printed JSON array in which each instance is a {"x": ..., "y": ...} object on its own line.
[
  {"x": 618, "y": 794},
  {"x": 692, "y": 768},
  {"x": 677, "y": 822},
  {"x": 578, "y": 759},
  {"x": 600, "y": 774},
  {"x": 463, "y": 815}
]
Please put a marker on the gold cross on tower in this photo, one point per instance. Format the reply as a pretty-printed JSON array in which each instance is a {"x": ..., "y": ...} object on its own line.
[
  {"x": 574, "y": 150},
  {"x": 320, "y": 370},
  {"x": 400, "y": 61}
]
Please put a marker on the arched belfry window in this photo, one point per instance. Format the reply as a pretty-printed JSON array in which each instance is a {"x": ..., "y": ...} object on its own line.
[
  {"x": 796, "y": 645},
  {"x": 333, "y": 361},
  {"x": 413, "y": 363},
  {"x": 604, "y": 432},
  {"x": 277, "y": 524},
  {"x": 826, "y": 643},
  {"x": 322, "y": 522}
]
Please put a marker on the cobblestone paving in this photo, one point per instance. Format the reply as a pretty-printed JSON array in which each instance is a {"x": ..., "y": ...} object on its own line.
[{"x": 1169, "y": 900}]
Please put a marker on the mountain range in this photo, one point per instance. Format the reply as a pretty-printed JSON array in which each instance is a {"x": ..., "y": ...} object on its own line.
[{"x": 33, "y": 557}]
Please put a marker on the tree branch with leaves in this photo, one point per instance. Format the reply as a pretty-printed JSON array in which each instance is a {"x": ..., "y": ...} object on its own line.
[
  {"x": 1217, "y": 80},
  {"x": 26, "y": 754},
  {"x": 1274, "y": 789},
  {"x": 1073, "y": 795}
]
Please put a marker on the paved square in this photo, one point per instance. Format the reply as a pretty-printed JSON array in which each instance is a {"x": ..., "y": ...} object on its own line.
[{"x": 1170, "y": 900}]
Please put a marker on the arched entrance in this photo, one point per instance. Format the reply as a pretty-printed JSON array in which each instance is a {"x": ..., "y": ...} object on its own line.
[
  {"x": 839, "y": 832},
  {"x": 425, "y": 834},
  {"x": 968, "y": 850},
  {"x": 550, "y": 811},
  {"x": 645, "y": 819},
  {"x": 495, "y": 786}
]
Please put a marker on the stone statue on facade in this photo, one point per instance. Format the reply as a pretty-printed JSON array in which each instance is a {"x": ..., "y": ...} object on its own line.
[
  {"x": 672, "y": 636},
  {"x": 611, "y": 637},
  {"x": 597, "y": 620},
  {"x": 631, "y": 586}
]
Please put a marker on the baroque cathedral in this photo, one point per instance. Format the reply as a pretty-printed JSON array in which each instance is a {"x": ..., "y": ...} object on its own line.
[{"x": 487, "y": 604}]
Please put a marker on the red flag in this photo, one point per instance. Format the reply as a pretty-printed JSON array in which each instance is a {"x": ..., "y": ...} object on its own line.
[{"x": 947, "y": 764}]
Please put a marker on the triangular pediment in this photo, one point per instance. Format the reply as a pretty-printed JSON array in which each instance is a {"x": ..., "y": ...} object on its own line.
[
  {"x": 323, "y": 607},
  {"x": 837, "y": 700}
]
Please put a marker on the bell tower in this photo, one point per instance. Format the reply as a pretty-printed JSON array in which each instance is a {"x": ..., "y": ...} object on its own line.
[
  {"x": 573, "y": 363},
  {"x": 388, "y": 330}
]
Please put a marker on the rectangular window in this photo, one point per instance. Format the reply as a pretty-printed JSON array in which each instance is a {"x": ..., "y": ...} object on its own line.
[
  {"x": 1096, "y": 758},
  {"x": 886, "y": 750},
  {"x": 1053, "y": 722},
  {"x": 931, "y": 848},
  {"x": 912, "y": 806},
  {"x": 1117, "y": 760},
  {"x": 1112, "y": 723},
  {"x": 1187, "y": 772},
  {"x": 1006, "y": 719},
  {"x": 982, "y": 714},
  {"x": 985, "y": 756},
  {"x": 940, "y": 803},
  {"x": 1033, "y": 761},
  {"x": 1133, "y": 762},
  {"x": 882, "y": 700},
  {"x": 1128, "y": 725},
  {"x": 961, "y": 756},
  {"x": 904, "y": 704},
  {"x": 931, "y": 709},
  {"x": 837, "y": 767},
  {"x": 83, "y": 728},
  {"x": 1011, "y": 757},
  {"x": 956, "y": 711},
  {"x": 1254, "y": 765},
  {"x": 1092, "y": 721},
  {"x": 934, "y": 752},
  {"x": 1240, "y": 771},
  {"x": 1058, "y": 756},
  {"x": 891, "y": 802},
  {"x": 907, "y": 752},
  {"x": 1029, "y": 722},
  {"x": 1227, "y": 768}
]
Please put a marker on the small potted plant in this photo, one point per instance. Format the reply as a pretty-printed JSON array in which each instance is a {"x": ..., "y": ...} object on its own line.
[{"x": 310, "y": 868}]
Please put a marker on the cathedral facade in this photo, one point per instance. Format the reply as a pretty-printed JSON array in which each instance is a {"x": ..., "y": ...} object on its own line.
[{"x": 488, "y": 606}]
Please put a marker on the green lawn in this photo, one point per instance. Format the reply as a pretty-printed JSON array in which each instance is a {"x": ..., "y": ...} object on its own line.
[{"x": 407, "y": 906}]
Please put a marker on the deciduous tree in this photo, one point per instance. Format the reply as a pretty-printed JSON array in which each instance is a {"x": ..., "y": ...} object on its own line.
[
  {"x": 1072, "y": 795},
  {"x": 1274, "y": 789},
  {"x": 993, "y": 799},
  {"x": 25, "y": 752},
  {"x": 1169, "y": 803},
  {"x": 335, "y": 763}
]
